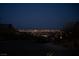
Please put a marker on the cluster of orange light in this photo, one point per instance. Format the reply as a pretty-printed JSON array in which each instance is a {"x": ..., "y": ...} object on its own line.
[{"x": 38, "y": 30}]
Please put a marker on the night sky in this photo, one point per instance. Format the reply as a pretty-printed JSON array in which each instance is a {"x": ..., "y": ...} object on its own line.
[{"x": 39, "y": 15}]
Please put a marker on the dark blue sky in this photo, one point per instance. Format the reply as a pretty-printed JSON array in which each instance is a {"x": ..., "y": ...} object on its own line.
[{"x": 39, "y": 15}]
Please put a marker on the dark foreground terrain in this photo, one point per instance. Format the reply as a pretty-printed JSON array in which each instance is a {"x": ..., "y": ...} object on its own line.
[{"x": 26, "y": 48}]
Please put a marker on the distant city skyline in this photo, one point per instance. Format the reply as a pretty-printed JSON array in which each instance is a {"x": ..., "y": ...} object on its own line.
[{"x": 38, "y": 30}]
